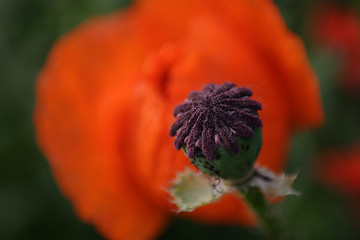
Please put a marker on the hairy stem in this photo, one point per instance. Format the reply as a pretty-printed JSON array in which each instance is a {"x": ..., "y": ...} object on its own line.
[{"x": 270, "y": 219}]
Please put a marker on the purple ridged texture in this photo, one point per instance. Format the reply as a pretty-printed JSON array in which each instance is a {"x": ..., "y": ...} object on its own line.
[{"x": 213, "y": 117}]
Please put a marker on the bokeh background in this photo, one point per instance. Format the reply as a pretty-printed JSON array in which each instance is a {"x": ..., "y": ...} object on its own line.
[{"x": 31, "y": 205}]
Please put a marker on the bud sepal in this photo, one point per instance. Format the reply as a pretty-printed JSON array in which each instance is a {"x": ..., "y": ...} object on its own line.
[{"x": 191, "y": 189}]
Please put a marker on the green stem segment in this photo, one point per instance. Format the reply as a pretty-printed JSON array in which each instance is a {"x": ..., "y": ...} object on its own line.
[{"x": 271, "y": 220}]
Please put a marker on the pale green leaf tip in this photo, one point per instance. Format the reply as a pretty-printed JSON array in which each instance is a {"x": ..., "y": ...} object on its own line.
[
  {"x": 272, "y": 184},
  {"x": 191, "y": 190}
]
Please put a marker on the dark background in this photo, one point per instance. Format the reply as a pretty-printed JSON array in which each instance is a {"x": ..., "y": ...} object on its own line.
[{"x": 31, "y": 206}]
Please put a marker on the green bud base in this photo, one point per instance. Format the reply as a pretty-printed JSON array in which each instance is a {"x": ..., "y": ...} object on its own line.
[{"x": 228, "y": 165}]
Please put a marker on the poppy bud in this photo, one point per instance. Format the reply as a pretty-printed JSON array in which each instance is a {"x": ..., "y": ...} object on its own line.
[{"x": 219, "y": 130}]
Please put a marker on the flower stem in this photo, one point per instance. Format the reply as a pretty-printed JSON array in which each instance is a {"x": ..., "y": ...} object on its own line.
[{"x": 271, "y": 220}]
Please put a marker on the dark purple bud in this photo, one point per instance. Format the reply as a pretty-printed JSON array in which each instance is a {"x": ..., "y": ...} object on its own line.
[{"x": 215, "y": 116}]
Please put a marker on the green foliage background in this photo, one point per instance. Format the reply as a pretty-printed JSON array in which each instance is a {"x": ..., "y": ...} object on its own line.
[{"x": 31, "y": 206}]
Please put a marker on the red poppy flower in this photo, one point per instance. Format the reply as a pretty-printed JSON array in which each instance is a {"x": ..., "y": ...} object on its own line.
[
  {"x": 338, "y": 29},
  {"x": 107, "y": 91},
  {"x": 339, "y": 169}
]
